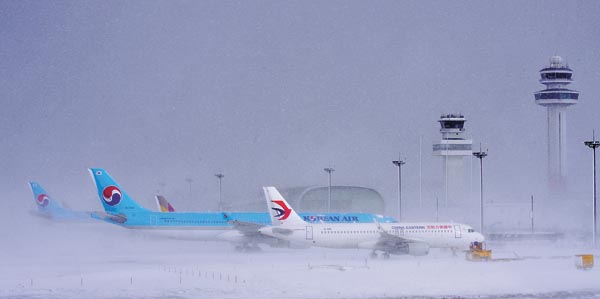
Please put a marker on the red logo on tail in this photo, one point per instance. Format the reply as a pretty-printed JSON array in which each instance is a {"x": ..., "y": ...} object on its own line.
[
  {"x": 43, "y": 200},
  {"x": 284, "y": 212}
]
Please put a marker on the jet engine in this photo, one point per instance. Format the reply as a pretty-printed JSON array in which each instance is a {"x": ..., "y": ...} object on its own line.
[{"x": 418, "y": 248}]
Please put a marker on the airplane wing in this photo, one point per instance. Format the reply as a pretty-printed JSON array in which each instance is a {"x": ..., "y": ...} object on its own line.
[
  {"x": 246, "y": 228},
  {"x": 250, "y": 232},
  {"x": 391, "y": 241},
  {"x": 251, "y": 229},
  {"x": 396, "y": 244}
]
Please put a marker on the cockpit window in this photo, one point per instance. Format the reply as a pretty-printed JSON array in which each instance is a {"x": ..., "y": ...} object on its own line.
[{"x": 470, "y": 230}]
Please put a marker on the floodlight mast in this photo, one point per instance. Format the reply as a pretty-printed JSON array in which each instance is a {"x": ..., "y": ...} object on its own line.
[
  {"x": 220, "y": 176},
  {"x": 480, "y": 155},
  {"x": 593, "y": 144},
  {"x": 399, "y": 164},
  {"x": 329, "y": 170},
  {"x": 189, "y": 181}
]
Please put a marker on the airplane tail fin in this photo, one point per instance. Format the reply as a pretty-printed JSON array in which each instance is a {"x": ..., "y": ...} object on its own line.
[
  {"x": 280, "y": 211},
  {"x": 114, "y": 199},
  {"x": 163, "y": 204},
  {"x": 43, "y": 201}
]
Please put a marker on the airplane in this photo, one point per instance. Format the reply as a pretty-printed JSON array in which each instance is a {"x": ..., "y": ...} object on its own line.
[
  {"x": 165, "y": 206},
  {"x": 390, "y": 238},
  {"x": 237, "y": 227},
  {"x": 49, "y": 208}
]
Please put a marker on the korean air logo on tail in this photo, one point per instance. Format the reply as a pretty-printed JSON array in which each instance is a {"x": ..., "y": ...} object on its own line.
[
  {"x": 281, "y": 213},
  {"x": 111, "y": 195},
  {"x": 43, "y": 200}
]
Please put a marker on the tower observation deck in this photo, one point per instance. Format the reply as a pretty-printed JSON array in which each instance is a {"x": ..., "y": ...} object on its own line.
[
  {"x": 453, "y": 147},
  {"x": 556, "y": 98}
]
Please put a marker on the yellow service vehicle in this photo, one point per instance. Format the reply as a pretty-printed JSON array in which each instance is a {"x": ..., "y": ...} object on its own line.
[
  {"x": 478, "y": 253},
  {"x": 584, "y": 261}
]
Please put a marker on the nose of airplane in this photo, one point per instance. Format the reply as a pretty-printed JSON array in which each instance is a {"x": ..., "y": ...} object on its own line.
[{"x": 479, "y": 237}]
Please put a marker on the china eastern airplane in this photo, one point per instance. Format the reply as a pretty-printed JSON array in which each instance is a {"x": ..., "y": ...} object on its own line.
[
  {"x": 237, "y": 227},
  {"x": 49, "y": 208},
  {"x": 390, "y": 238}
]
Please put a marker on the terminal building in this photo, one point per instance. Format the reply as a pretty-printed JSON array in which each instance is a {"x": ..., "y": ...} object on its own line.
[{"x": 344, "y": 199}]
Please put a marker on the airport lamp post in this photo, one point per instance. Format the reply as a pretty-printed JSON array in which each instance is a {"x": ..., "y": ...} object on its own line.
[
  {"x": 480, "y": 155},
  {"x": 437, "y": 209},
  {"x": 594, "y": 144},
  {"x": 189, "y": 180},
  {"x": 399, "y": 164},
  {"x": 162, "y": 188},
  {"x": 220, "y": 177},
  {"x": 329, "y": 170},
  {"x": 531, "y": 215}
]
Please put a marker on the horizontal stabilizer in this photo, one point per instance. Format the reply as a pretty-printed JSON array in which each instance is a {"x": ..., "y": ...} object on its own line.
[{"x": 109, "y": 217}]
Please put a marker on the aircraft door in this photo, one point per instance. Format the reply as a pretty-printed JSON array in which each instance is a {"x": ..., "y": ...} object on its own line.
[
  {"x": 309, "y": 233},
  {"x": 457, "y": 232},
  {"x": 153, "y": 220},
  {"x": 399, "y": 231}
]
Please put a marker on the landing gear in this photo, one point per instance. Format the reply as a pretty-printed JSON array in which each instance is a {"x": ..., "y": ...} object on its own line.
[
  {"x": 252, "y": 248},
  {"x": 247, "y": 248},
  {"x": 385, "y": 255}
]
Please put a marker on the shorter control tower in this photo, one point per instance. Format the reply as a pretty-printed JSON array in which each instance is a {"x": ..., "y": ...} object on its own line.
[{"x": 452, "y": 148}]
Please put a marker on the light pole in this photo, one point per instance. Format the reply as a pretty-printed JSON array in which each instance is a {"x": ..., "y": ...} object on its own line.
[
  {"x": 162, "y": 188},
  {"x": 480, "y": 155},
  {"x": 329, "y": 170},
  {"x": 189, "y": 180},
  {"x": 220, "y": 177},
  {"x": 594, "y": 144},
  {"x": 399, "y": 163},
  {"x": 531, "y": 215},
  {"x": 437, "y": 209}
]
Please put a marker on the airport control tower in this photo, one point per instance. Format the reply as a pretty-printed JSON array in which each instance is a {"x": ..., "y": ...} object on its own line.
[
  {"x": 452, "y": 148},
  {"x": 556, "y": 98}
]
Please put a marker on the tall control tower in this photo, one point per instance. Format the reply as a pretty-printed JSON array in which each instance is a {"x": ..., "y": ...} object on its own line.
[
  {"x": 452, "y": 148},
  {"x": 556, "y": 97}
]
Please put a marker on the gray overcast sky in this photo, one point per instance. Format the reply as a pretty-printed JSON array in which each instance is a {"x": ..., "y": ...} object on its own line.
[{"x": 270, "y": 92}]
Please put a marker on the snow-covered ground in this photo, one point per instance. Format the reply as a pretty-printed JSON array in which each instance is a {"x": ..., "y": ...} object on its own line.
[{"x": 62, "y": 260}]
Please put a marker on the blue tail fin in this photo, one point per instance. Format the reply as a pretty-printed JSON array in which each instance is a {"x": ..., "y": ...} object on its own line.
[
  {"x": 44, "y": 202},
  {"x": 113, "y": 197}
]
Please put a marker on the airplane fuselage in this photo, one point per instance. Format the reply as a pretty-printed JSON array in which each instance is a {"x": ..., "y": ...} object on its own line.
[
  {"x": 367, "y": 235},
  {"x": 215, "y": 220},
  {"x": 214, "y": 225}
]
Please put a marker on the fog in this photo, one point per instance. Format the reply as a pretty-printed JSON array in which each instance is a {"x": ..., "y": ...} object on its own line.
[
  {"x": 67, "y": 260},
  {"x": 271, "y": 92}
]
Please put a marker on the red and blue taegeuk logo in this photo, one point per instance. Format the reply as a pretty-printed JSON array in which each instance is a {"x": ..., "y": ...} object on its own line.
[
  {"x": 284, "y": 212},
  {"x": 43, "y": 200},
  {"x": 111, "y": 195}
]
